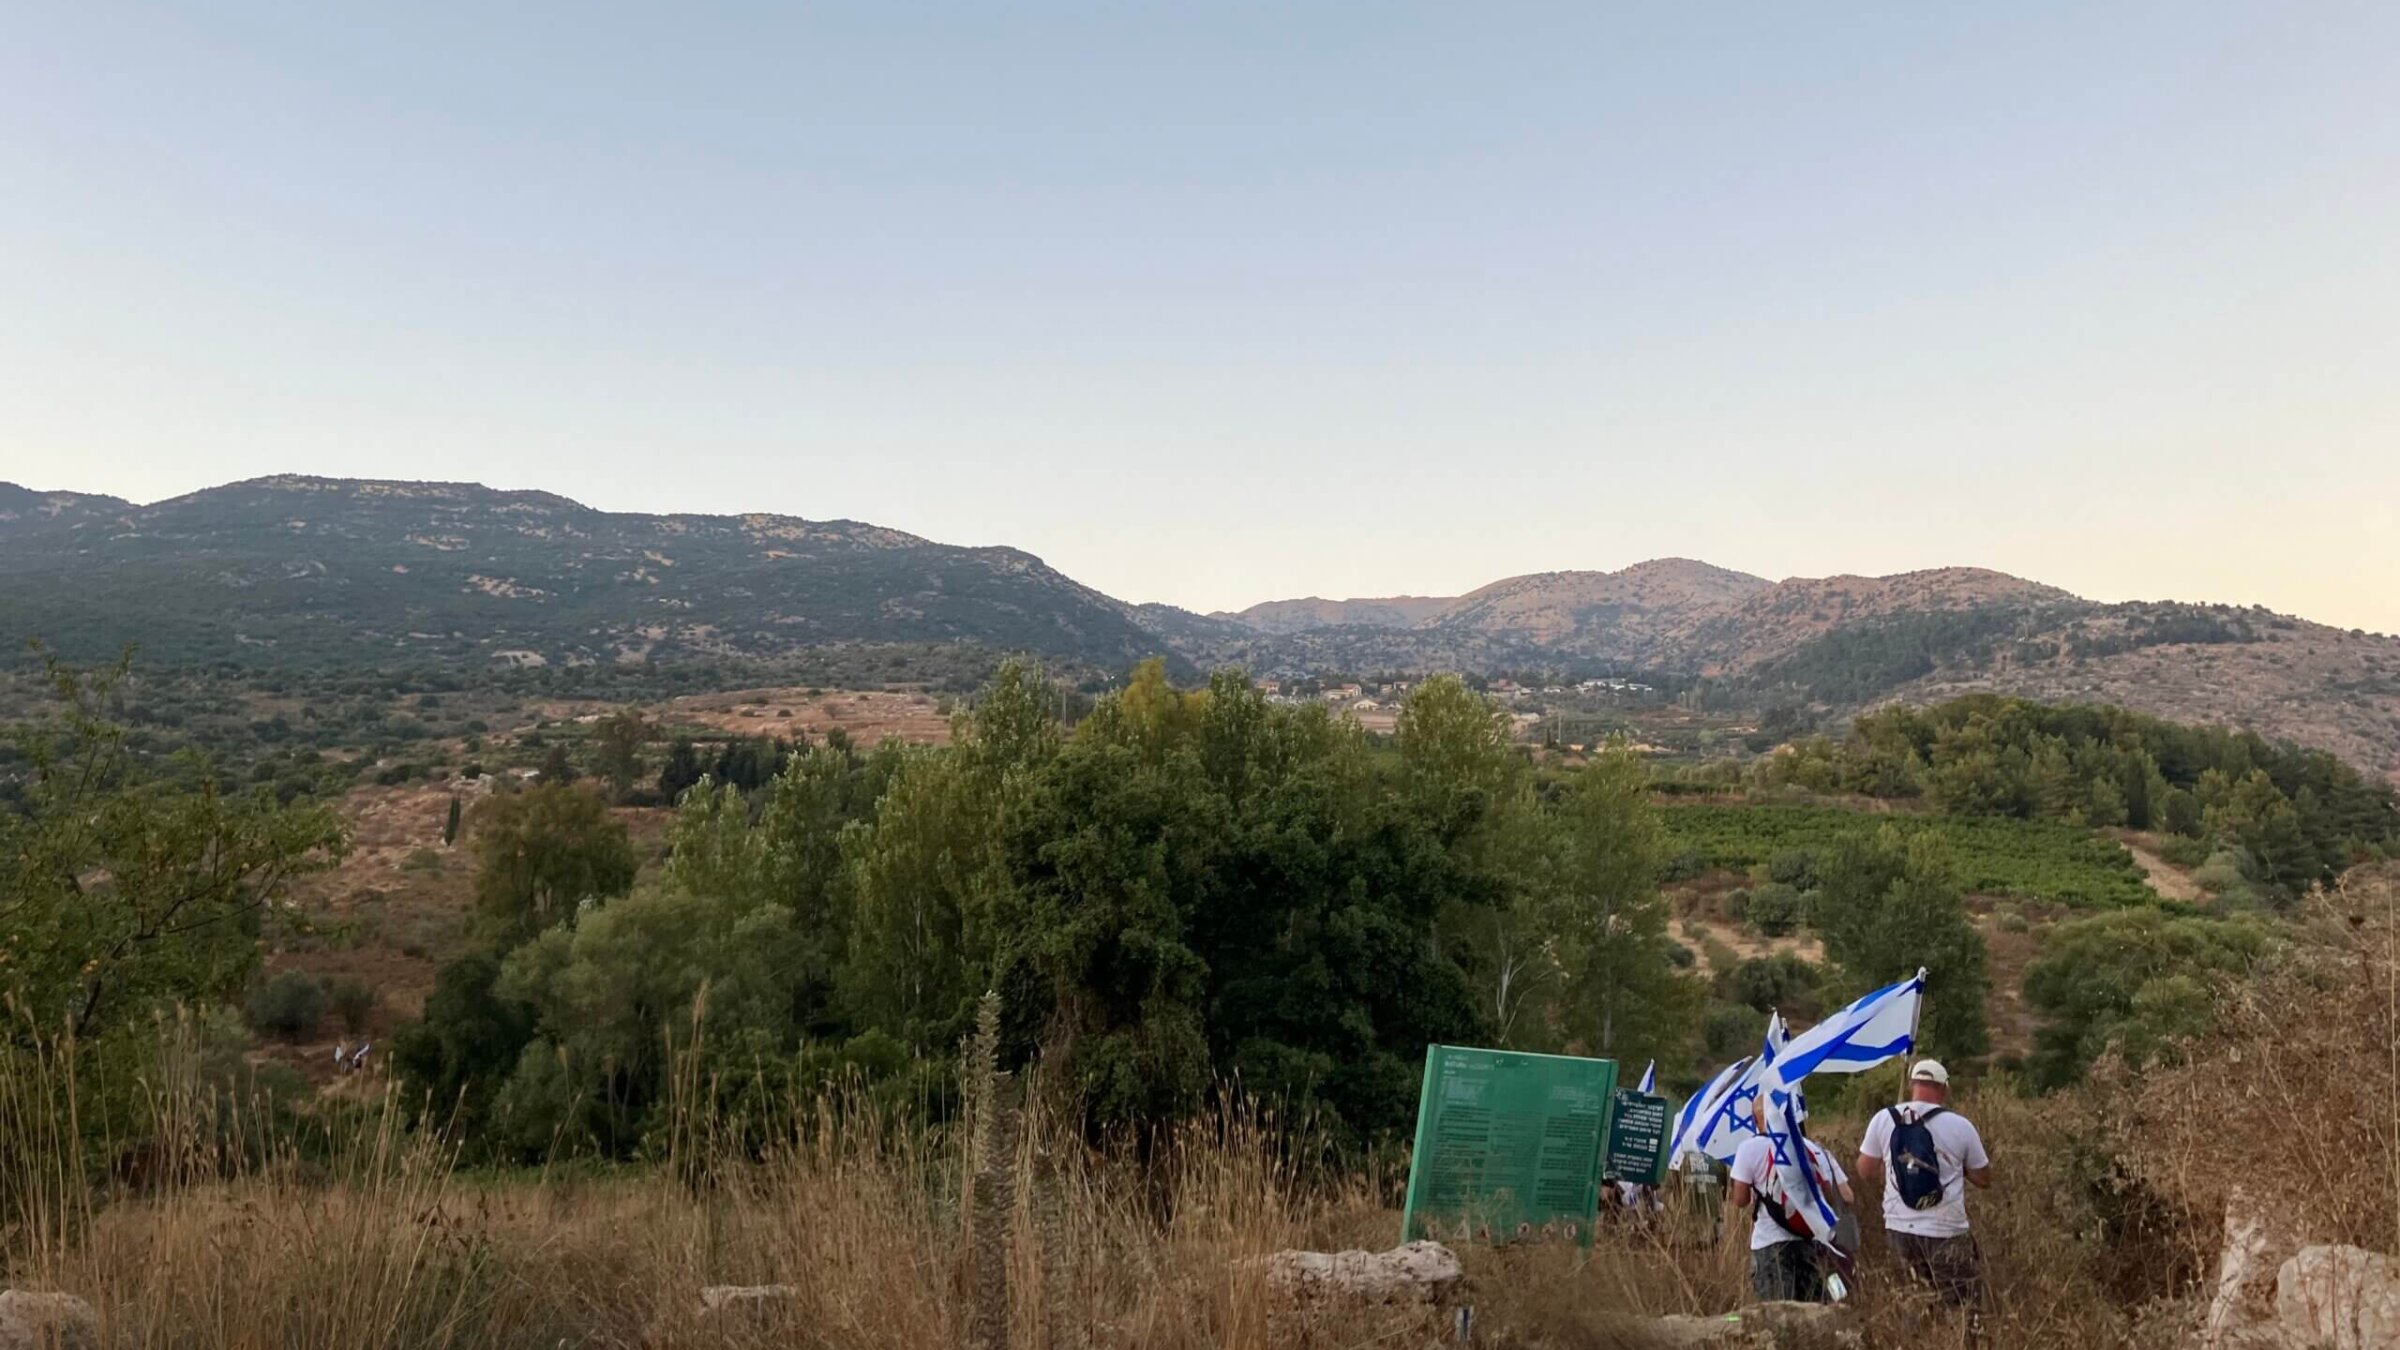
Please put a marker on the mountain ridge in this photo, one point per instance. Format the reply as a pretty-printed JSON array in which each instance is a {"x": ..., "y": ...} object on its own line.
[{"x": 300, "y": 568}]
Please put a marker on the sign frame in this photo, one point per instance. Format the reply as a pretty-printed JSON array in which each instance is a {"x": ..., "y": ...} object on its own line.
[
  {"x": 1508, "y": 1146},
  {"x": 1649, "y": 1116}
]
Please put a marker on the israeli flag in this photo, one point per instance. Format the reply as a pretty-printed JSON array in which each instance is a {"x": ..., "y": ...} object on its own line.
[
  {"x": 1649, "y": 1083},
  {"x": 1696, "y": 1109},
  {"x": 1797, "y": 1181},
  {"x": 1869, "y": 1032},
  {"x": 1725, "y": 1125}
]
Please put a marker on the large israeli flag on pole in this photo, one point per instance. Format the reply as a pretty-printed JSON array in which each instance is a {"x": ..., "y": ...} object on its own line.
[
  {"x": 1696, "y": 1108},
  {"x": 1870, "y": 1031},
  {"x": 1725, "y": 1125}
]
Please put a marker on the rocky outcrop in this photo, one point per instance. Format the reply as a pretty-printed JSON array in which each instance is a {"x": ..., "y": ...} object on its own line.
[
  {"x": 1419, "y": 1272},
  {"x": 2274, "y": 1293},
  {"x": 2257, "y": 1243},
  {"x": 753, "y": 1302},
  {"x": 718, "y": 1300},
  {"x": 2338, "y": 1298},
  {"x": 43, "y": 1321}
]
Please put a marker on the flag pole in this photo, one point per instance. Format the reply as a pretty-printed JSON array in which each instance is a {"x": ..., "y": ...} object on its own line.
[{"x": 1916, "y": 1018}]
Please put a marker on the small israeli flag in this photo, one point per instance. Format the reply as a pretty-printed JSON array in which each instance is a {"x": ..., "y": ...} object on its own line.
[{"x": 1649, "y": 1083}]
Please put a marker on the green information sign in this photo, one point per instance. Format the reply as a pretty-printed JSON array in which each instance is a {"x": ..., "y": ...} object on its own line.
[
  {"x": 1637, "y": 1138},
  {"x": 1508, "y": 1146}
]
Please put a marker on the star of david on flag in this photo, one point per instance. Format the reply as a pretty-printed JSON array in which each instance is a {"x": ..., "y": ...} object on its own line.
[
  {"x": 1695, "y": 1109},
  {"x": 1797, "y": 1182},
  {"x": 1726, "y": 1123}
]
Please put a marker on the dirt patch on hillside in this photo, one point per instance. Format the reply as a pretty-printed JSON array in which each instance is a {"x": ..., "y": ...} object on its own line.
[
  {"x": 1702, "y": 920},
  {"x": 2012, "y": 932},
  {"x": 2166, "y": 878},
  {"x": 864, "y": 715},
  {"x": 1703, "y": 934},
  {"x": 398, "y": 908}
]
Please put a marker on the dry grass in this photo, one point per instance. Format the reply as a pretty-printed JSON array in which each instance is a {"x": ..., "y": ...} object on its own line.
[{"x": 2108, "y": 1207}]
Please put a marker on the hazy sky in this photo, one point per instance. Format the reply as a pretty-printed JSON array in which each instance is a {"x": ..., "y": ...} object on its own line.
[{"x": 1215, "y": 303}]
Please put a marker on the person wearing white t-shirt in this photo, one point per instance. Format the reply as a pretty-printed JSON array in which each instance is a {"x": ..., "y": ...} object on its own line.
[
  {"x": 1783, "y": 1259},
  {"x": 1933, "y": 1243}
]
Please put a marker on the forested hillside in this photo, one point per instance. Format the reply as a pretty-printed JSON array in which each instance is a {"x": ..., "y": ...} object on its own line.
[
  {"x": 312, "y": 573},
  {"x": 2256, "y": 815}
]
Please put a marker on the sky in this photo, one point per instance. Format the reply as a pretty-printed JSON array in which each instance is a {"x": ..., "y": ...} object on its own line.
[{"x": 1219, "y": 303}]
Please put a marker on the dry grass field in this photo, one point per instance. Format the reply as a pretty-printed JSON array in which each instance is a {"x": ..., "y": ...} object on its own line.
[{"x": 349, "y": 1230}]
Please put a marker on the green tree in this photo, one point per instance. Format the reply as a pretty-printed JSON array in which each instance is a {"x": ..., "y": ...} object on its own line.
[
  {"x": 2254, "y": 815},
  {"x": 1455, "y": 748},
  {"x": 455, "y": 1056},
  {"x": 621, "y": 736},
  {"x": 2135, "y": 981},
  {"x": 291, "y": 1005},
  {"x": 612, "y": 993},
  {"x": 1890, "y": 903},
  {"x": 1782, "y": 982},
  {"x": 681, "y": 771},
  {"x": 924, "y": 880},
  {"x": 1464, "y": 780},
  {"x": 543, "y": 851},
  {"x": 1203, "y": 884},
  {"x": 120, "y": 891},
  {"x": 1608, "y": 922}
]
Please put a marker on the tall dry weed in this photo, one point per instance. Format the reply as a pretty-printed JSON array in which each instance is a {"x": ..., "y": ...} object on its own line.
[
  {"x": 2293, "y": 1104},
  {"x": 242, "y": 1229}
]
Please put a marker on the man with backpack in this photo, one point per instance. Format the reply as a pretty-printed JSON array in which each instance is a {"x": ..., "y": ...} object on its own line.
[
  {"x": 1784, "y": 1261},
  {"x": 1925, "y": 1155}
]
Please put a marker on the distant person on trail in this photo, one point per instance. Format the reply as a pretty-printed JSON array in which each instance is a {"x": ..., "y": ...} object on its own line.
[
  {"x": 1784, "y": 1265},
  {"x": 341, "y": 1057},
  {"x": 359, "y": 1060},
  {"x": 1925, "y": 1155}
]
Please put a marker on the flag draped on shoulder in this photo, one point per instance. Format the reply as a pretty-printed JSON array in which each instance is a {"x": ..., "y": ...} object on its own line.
[
  {"x": 1870, "y": 1031},
  {"x": 1799, "y": 1182}
]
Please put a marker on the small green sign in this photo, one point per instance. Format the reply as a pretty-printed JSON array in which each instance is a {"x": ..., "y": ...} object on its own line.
[
  {"x": 1508, "y": 1146},
  {"x": 1637, "y": 1138}
]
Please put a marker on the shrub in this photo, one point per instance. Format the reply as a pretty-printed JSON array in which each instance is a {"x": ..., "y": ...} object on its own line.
[
  {"x": 353, "y": 1000},
  {"x": 1768, "y": 983},
  {"x": 1773, "y": 909},
  {"x": 1683, "y": 867},
  {"x": 2223, "y": 873},
  {"x": 290, "y": 1005},
  {"x": 1731, "y": 1032},
  {"x": 1794, "y": 867}
]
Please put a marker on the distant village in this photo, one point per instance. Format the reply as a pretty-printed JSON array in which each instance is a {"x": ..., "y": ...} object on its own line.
[{"x": 1376, "y": 702}]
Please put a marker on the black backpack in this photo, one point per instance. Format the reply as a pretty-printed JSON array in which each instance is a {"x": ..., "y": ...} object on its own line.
[{"x": 1916, "y": 1164}]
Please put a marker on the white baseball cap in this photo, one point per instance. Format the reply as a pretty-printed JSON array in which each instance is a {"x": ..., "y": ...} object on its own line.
[{"x": 1930, "y": 1071}]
